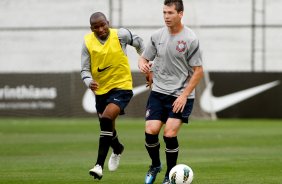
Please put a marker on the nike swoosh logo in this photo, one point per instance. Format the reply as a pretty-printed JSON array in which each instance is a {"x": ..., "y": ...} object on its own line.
[
  {"x": 211, "y": 104},
  {"x": 89, "y": 102},
  {"x": 102, "y": 69}
]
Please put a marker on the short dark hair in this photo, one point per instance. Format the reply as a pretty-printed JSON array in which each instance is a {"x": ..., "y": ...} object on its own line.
[
  {"x": 97, "y": 15},
  {"x": 178, "y": 4}
]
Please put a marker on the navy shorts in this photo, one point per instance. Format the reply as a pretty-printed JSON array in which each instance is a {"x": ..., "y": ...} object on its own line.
[
  {"x": 119, "y": 97},
  {"x": 159, "y": 107}
]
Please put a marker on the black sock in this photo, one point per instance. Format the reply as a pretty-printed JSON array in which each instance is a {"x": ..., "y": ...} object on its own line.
[
  {"x": 106, "y": 136},
  {"x": 171, "y": 152},
  {"x": 153, "y": 147},
  {"x": 115, "y": 144}
]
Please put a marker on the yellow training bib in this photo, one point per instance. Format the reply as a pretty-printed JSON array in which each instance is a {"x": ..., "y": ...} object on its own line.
[{"x": 109, "y": 64}]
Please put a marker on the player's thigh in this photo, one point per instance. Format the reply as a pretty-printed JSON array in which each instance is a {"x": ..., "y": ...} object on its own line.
[
  {"x": 121, "y": 98},
  {"x": 111, "y": 111},
  {"x": 153, "y": 127},
  {"x": 155, "y": 109},
  {"x": 172, "y": 127}
]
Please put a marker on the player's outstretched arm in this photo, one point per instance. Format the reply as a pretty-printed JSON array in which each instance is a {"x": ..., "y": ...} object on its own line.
[{"x": 85, "y": 66}]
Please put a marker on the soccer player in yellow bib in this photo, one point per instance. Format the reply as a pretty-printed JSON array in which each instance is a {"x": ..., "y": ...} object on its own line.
[{"x": 106, "y": 71}]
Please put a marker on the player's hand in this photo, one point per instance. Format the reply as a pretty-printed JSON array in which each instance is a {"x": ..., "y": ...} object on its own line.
[
  {"x": 179, "y": 104},
  {"x": 93, "y": 85},
  {"x": 149, "y": 79},
  {"x": 144, "y": 65}
]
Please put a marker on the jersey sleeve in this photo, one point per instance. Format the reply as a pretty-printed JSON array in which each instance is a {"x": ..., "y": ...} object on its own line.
[
  {"x": 126, "y": 37},
  {"x": 194, "y": 57},
  {"x": 85, "y": 66},
  {"x": 150, "y": 51}
]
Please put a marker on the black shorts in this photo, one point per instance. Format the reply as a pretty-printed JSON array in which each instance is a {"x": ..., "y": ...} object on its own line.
[
  {"x": 119, "y": 97},
  {"x": 159, "y": 107}
]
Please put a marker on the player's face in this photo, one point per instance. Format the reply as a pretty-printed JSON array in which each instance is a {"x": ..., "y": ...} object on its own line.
[
  {"x": 100, "y": 27},
  {"x": 171, "y": 16}
]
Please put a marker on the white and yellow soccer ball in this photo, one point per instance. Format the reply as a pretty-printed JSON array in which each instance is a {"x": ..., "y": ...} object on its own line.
[{"x": 181, "y": 174}]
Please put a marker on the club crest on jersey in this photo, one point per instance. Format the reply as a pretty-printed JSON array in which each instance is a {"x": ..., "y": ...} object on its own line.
[
  {"x": 147, "y": 113},
  {"x": 181, "y": 46}
]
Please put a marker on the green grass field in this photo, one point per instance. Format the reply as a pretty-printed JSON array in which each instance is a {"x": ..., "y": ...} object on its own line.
[{"x": 60, "y": 151}]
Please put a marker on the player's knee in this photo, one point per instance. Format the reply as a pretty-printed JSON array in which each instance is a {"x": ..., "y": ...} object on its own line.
[
  {"x": 170, "y": 133},
  {"x": 152, "y": 129}
]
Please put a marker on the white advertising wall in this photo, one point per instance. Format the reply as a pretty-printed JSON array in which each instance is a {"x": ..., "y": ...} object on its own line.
[{"x": 46, "y": 35}]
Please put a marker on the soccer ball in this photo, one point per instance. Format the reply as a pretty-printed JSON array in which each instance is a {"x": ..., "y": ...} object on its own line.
[{"x": 181, "y": 174}]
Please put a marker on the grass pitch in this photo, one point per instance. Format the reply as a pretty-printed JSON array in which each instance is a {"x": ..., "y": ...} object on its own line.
[{"x": 60, "y": 151}]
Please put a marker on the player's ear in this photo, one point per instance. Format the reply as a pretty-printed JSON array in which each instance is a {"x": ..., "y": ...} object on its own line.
[{"x": 180, "y": 14}]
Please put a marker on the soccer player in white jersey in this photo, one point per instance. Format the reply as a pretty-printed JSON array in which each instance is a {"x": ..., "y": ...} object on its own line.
[
  {"x": 106, "y": 71},
  {"x": 177, "y": 69}
]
